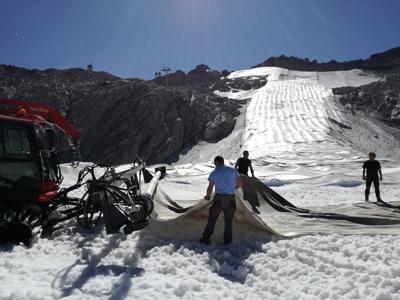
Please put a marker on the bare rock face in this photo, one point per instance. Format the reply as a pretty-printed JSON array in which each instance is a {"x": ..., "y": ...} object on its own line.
[
  {"x": 142, "y": 118},
  {"x": 120, "y": 119},
  {"x": 380, "y": 99}
]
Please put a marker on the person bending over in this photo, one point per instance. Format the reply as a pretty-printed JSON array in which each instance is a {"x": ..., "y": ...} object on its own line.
[
  {"x": 371, "y": 170},
  {"x": 225, "y": 180},
  {"x": 243, "y": 164}
]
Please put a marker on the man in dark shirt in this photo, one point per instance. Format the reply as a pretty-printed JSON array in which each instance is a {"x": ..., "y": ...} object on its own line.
[
  {"x": 372, "y": 167},
  {"x": 243, "y": 164}
]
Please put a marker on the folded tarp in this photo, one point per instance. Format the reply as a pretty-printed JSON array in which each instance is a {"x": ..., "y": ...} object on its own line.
[{"x": 262, "y": 207}]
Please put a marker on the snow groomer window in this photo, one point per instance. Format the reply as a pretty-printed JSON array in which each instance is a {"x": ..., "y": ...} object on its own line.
[{"x": 15, "y": 142}]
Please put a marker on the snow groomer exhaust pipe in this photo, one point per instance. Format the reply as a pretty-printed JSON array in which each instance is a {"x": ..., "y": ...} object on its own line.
[{"x": 162, "y": 170}]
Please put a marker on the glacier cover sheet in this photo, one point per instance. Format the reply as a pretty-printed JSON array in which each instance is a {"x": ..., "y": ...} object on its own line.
[{"x": 260, "y": 206}]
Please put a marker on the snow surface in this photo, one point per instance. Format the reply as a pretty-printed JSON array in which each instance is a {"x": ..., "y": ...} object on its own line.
[
  {"x": 331, "y": 80},
  {"x": 237, "y": 94},
  {"x": 303, "y": 144}
]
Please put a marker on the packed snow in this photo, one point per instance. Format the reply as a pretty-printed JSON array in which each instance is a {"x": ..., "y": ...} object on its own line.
[
  {"x": 306, "y": 147},
  {"x": 330, "y": 80}
]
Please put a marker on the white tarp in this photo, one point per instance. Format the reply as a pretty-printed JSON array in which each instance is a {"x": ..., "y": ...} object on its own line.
[{"x": 260, "y": 206}]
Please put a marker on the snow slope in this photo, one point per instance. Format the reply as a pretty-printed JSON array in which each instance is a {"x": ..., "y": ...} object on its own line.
[{"x": 330, "y": 80}]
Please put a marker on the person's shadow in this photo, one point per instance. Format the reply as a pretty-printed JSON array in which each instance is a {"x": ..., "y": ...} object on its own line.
[
  {"x": 89, "y": 266},
  {"x": 228, "y": 261},
  {"x": 183, "y": 234}
]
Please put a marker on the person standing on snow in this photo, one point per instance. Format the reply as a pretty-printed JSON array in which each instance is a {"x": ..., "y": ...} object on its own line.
[
  {"x": 226, "y": 180},
  {"x": 243, "y": 164},
  {"x": 372, "y": 167}
]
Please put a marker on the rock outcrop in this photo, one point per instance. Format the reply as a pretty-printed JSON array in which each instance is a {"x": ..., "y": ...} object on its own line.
[
  {"x": 205, "y": 80},
  {"x": 379, "y": 99},
  {"x": 201, "y": 78}
]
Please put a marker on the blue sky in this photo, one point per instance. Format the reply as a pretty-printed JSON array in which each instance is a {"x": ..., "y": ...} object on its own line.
[{"x": 135, "y": 38}]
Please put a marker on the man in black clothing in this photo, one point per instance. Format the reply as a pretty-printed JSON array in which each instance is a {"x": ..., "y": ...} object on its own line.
[
  {"x": 243, "y": 164},
  {"x": 372, "y": 167}
]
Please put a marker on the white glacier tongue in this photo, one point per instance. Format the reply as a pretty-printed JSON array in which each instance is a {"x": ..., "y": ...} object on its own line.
[
  {"x": 291, "y": 116},
  {"x": 332, "y": 79},
  {"x": 295, "y": 114}
]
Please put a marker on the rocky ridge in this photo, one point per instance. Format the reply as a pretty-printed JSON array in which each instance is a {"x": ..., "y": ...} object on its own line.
[
  {"x": 381, "y": 61},
  {"x": 379, "y": 99},
  {"x": 206, "y": 80}
]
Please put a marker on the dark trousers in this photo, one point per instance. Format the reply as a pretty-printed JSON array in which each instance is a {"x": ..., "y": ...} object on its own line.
[
  {"x": 369, "y": 182},
  {"x": 227, "y": 204}
]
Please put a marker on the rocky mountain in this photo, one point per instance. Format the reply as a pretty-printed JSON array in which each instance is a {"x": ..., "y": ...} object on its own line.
[
  {"x": 122, "y": 118},
  {"x": 381, "y": 61}
]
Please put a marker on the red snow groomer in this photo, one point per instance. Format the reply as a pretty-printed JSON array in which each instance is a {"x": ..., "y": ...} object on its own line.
[
  {"x": 28, "y": 151},
  {"x": 30, "y": 179}
]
